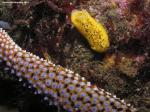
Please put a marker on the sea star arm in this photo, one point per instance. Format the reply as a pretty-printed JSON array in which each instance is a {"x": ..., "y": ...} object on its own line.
[{"x": 60, "y": 85}]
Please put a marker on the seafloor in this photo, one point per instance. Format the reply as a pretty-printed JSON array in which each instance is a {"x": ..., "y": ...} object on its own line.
[{"x": 44, "y": 28}]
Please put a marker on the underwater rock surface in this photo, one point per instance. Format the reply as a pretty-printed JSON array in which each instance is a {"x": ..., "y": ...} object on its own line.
[{"x": 45, "y": 29}]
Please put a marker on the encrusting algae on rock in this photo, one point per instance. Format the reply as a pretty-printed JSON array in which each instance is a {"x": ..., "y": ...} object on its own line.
[{"x": 92, "y": 30}]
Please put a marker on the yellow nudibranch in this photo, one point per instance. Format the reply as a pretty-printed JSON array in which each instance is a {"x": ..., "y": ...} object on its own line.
[{"x": 92, "y": 30}]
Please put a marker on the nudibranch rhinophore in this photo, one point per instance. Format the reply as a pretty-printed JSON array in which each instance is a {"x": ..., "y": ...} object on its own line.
[
  {"x": 92, "y": 30},
  {"x": 60, "y": 85}
]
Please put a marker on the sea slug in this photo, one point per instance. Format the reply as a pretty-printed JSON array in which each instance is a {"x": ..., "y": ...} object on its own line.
[
  {"x": 60, "y": 85},
  {"x": 92, "y": 30}
]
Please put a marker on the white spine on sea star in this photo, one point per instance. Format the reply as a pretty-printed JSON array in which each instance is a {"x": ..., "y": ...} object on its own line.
[{"x": 64, "y": 87}]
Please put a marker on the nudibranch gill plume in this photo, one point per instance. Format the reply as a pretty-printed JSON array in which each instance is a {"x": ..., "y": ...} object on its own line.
[{"x": 60, "y": 85}]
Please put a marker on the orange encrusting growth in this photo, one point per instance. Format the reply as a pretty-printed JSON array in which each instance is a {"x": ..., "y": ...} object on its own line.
[{"x": 58, "y": 84}]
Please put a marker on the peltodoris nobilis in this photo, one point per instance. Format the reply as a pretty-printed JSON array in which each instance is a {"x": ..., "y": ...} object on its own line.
[{"x": 92, "y": 30}]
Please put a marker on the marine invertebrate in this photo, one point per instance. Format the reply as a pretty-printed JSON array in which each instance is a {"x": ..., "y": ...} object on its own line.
[
  {"x": 93, "y": 31},
  {"x": 61, "y": 85}
]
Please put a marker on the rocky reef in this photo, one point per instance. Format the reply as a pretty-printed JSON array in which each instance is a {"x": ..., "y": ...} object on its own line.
[{"x": 44, "y": 28}]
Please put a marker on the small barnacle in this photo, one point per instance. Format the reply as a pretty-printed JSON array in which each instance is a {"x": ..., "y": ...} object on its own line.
[{"x": 92, "y": 30}]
